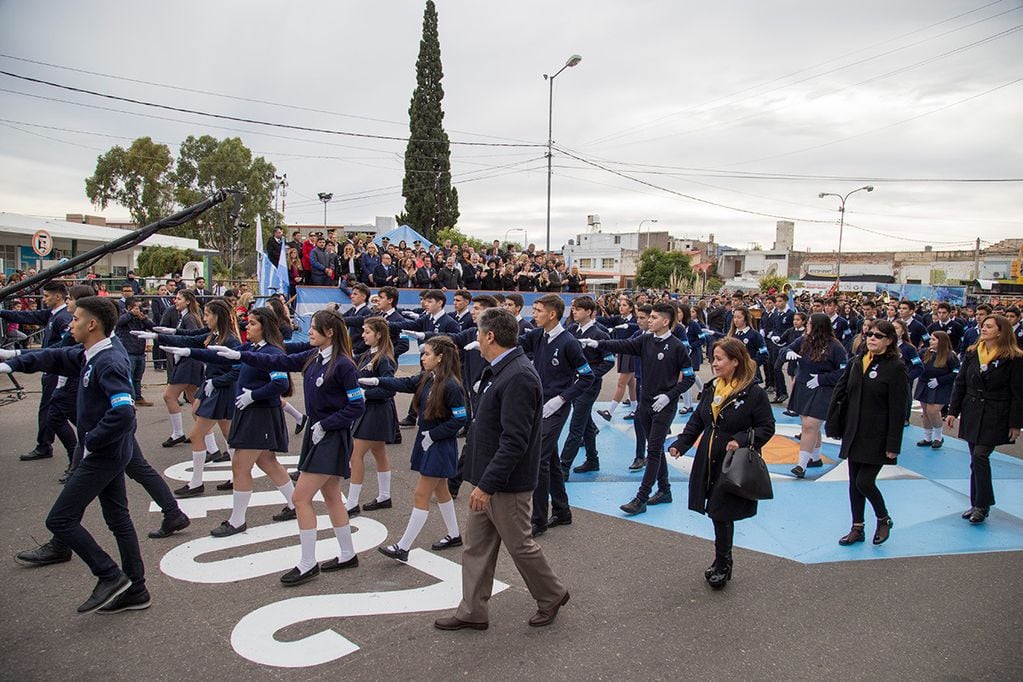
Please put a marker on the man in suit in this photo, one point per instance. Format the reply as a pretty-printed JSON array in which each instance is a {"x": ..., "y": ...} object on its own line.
[
  {"x": 274, "y": 245},
  {"x": 502, "y": 462},
  {"x": 426, "y": 276},
  {"x": 320, "y": 262},
  {"x": 450, "y": 276},
  {"x": 385, "y": 275},
  {"x": 202, "y": 294}
]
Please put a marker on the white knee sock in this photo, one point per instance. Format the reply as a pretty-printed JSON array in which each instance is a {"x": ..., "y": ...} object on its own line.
[
  {"x": 447, "y": 511},
  {"x": 293, "y": 412},
  {"x": 816, "y": 452},
  {"x": 354, "y": 490},
  {"x": 287, "y": 490},
  {"x": 384, "y": 485},
  {"x": 308, "y": 540},
  {"x": 230, "y": 453},
  {"x": 211, "y": 443},
  {"x": 699, "y": 383},
  {"x": 804, "y": 458},
  {"x": 614, "y": 406},
  {"x": 687, "y": 399},
  {"x": 927, "y": 434},
  {"x": 239, "y": 504},
  {"x": 415, "y": 524},
  {"x": 198, "y": 462},
  {"x": 936, "y": 432},
  {"x": 177, "y": 431},
  {"x": 344, "y": 540}
]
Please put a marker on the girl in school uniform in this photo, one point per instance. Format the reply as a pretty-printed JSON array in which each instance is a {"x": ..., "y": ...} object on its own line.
[
  {"x": 821, "y": 360},
  {"x": 941, "y": 366},
  {"x": 694, "y": 334},
  {"x": 755, "y": 344},
  {"x": 914, "y": 366},
  {"x": 287, "y": 331},
  {"x": 377, "y": 426},
  {"x": 441, "y": 415},
  {"x": 217, "y": 395},
  {"x": 622, "y": 326},
  {"x": 334, "y": 402},
  {"x": 186, "y": 374}
]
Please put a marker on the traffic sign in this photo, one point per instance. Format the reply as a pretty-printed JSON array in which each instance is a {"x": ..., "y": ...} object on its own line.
[{"x": 42, "y": 243}]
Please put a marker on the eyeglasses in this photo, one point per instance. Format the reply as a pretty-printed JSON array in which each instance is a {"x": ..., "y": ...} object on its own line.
[{"x": 875, "y": 335}]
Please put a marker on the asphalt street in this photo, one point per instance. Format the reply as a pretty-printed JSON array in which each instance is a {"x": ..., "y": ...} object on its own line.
[{"x": 639, "y": 607}]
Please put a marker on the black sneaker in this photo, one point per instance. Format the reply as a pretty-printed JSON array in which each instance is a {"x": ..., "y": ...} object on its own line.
[
  {"x": 128, "y": 602},
  {"x": 563, "y": 520},
  {"x": 46, "y": 554},
  {"x": 296, "y": 577},
  {"x": 447, "y": 542},
  {"x": 394, "y": 552},
  {"x": 301, "y": 425},
  {"x": 660, "y": 497},
  {"x": 588, "y": 466},
  {"x": 225, "y": 529},
  {"x": 185, "y": 491},
  {"x": 630, "y": 416},
  {"x": 378, "y": 504},
  {"x": 638, "y": 464},
  {"x": 536, "y": 531},
  {"x": 172, "y": 441},
  {"x": 633, "y": 507},
  {"x": 407, "y": 421},
  {"x": 171, "y": 524},
  {"x": 336, "y": 564},
  {"x": 286, "y": 514},
  {"x": 605, "y": 415},
  {"x": 105, "y": 592},
  {"x": 64, "y": 476}
]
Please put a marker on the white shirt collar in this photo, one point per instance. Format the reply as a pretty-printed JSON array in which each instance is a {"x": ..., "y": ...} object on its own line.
[
  {"x": 662, "y": 338},
  {"x": 358, "y": 307},
  {"x": 742, "y": 331},
  {"x": 437, "y": 316},
  {"x": 326, "y": 352},
  {"x": 583, "y": 328},
  {"x": 260, "y": 344},
  {"x": 519, "y": 317},
  {"x": 553, "y": 334},
  {"x": 98, "y": 348},
  {"x": 56, "y": 310}
]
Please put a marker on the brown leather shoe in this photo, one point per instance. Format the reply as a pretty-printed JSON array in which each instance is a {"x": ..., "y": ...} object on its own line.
[
  {"x": 452, "y": 623},
  {"x": 142, "y": 402},
  {"x": 542, "y": 617}
]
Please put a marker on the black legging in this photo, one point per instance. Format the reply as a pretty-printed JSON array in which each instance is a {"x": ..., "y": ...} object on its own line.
[
  {"x": 982, "y": 492},
  {"x": 724, "y": 532},
  {"x": 863, "y": 487}
]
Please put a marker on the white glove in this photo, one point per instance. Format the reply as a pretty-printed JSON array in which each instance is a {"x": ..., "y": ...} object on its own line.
[
  {"x": 149, "y": 336},
  {"x": 5, "y": 368},
  {"x": 369, "y": 381},
  {"x": 813, "y": 382},
  {"x": 165, "y": 330},
  {"x": 6, "y": 354},
  {"x": 588, "y": 343},
  {"x": 620, "y": 326},
  {"x": 245, "y": 399},
  {"x": 416, "y": 335},
  {"x": 209, "y": 387},
  {"x": 177, "y": 352},
  {"x": 427, "y": 442},
  {"x": 660, "y": 402},
  {"x": 225, "y": 352},
  {"x": 792, "y": 355},
  {"x": 85, "y": 452},
  {"x": 410, "y": 315},
  {"x": 775, "y": 339},
  {"x": 932, "y": 383},
  {"x": 317, "y": 433},
  {"x": 476, "y": 386},
  {"x": 471, "y": 346},
  {"x": 552, "y": 406}
]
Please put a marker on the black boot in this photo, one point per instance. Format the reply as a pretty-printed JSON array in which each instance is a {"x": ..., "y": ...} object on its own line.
[{"x": 721, "y": 573}]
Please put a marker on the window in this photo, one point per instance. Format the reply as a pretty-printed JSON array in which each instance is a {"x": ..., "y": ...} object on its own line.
[
  {"x": 607, "y": 264},
  {"x": 775, "y": 256},
  {"x": 618, "y": 239},
  {"x": 585, "y": 262},
  {"x": 9, "y": 254}
]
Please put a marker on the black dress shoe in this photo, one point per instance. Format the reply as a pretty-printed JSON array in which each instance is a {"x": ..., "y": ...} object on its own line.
[
  {"x": 798, "y": 471},
  {"x": 536, "y": 531},
  {"x": 397, "y": 439},
  {"x": 354, "y": 511},
  {"x": 720, "y": 576},
  {"x": 301, "y": 425},
  {"x": 630, "y": 416},
  {"x": 185, "y": 491},
  {"x": 978, "y": 515},
  {"x": 286, "y": 514},
  {"x": 222, "y": 456},
  {"x": 35, "y": 454},
  {"x": 225, "y": 529},
  {"x": 172, "y": 441},
  {"x": 171, "y": 524},
  {"x": 588, "y": 466},
  {"x": 394, "y": 552},
  {"x": 790, "y": 413},
  {"x": 855, "y": 535},
  {"x": 64, "y": 476},
  {"x": 924, "y": 443},
  {"x": 634, "y": 506},
  {"x": 336, "y": 564},
  {"x": 294, "y": 475},
  {"x": 563, "y": 520},
  {"x": 226, "y": 485},
  {"x": 638, "y": 464},
  {"x": 544, "y": 617},
  {"x": 296, "y": 577},
  {"x": 660, "y": 497},
  {"x": 605, "y": 415},
  {"x": 408, "y": 421},
  {"x": 452, "y": 623},
  {"x": 936, "y": 445},
  {"x": 212, "y": 456},
  {"x": 685, "y": 410},
  {"x": 43, "y": 555},
  {"x": 446, "y": 542},
  {"x": 128, "y": 602},
  {"x": 780, "y": 400},
  {"x": 105, "y": 592},
  {"x": 815, "y": 463},
  {"x": 377, "y": 504}
]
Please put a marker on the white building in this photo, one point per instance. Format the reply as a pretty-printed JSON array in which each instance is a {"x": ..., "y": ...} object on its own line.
[{"x": 609, "y": 260}]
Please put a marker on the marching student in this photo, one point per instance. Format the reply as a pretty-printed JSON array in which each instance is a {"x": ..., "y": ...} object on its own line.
[
  {"x": 914, "y": 328},
  {"x": 515, "y": 303},
  {"x": 626, "y": 363},
  {"x": 667, "y": 374},
  {"x": 934, "y": 390},
  {"x": 376, "y": 427},
  {"x": 133, "y": 319},
  {"x": 695, "y": 336},
  {"x": 944, "y": 322},
  {"x": 988, "y": 397},
  {"x": 258, "y": 429},
  {"x": 54, "y": 320},
  {"x": 643, "y": 322},
  {"x": 334, "y": 402},
  {"x": 217, "y": 396},
  {"x": 440, "y": 405},
  {"x": 106, "y": 422},
  {"x": 186, "y": 373},
  {"x": 821, "y": 359},
  {"x": 581, "y": 429},
  {"x": 840, "y": 325},
  {"x": 462, "y": 314},
  {"x": 1012, "y": 314},
  {"x": 787, "y": 397},
  {"x": 911, "y": 358},
  {"x": 287, "y": 331},
  {"x": 751, "y": 338}
]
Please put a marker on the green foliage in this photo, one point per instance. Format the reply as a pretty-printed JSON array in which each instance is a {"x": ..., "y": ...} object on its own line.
[
  {"x": 657, "y": 268},
  {"x": 776, "y": 282},
  {"x": 431, "y": 203},
  {"x": 457, "y": 237},
  {"x": 157, "y": 261},
  {"x": 714, "y": 285},
  {"x": 138, "y": 178}
]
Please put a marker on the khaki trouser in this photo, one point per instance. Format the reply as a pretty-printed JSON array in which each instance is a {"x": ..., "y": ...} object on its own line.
[{"x": 507, "y": 519}]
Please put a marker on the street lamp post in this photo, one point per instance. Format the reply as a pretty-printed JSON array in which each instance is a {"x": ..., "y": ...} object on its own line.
[
  {"x": 572, "y": 61},
  {"x": 640, "y": 231},
  {"x": 841, "y": 225},
  {"x": 525, "y": 235},
  {"x": 325, "y": 197}
]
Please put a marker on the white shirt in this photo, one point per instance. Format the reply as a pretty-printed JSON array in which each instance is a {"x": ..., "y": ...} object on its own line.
[
  {"x": 662, "y": 338},
  {"x": 98, "y": 348},
  {"x": 326, "y": 353},
  {"x": 553, "y": 334},
  {"x": 583, "y": 328}
]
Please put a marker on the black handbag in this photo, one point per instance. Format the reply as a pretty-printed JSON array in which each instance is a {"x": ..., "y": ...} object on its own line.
[{"x": 744, "y": 473}]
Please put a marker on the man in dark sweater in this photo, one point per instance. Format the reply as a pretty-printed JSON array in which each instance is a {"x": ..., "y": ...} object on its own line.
[
  {"x": 667, "y": 374},
  {"x": 135, "y": 320},
  {"x": 502, "y": 462}
]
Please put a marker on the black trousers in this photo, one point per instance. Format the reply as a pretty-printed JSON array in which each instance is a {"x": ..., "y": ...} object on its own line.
[
  {"x": 101, "y": 477},
  {"x": 60, "y": 415},
  {"x": 637, "y": 425},
  {"x": 982, "y": 491},
  {"x": 863, "y": 487},
  {"x": 724, "y": 534},
  {"x": 44, "y": 434},
  {"x": 581, "y": 429},
  {"x": 551, "y": 482},
  {"x": 656, "y": 426},
  {"x": 770, "y": 373}
]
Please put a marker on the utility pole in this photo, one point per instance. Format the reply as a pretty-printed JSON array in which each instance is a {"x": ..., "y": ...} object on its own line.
[{"x": 976, "y": 259}]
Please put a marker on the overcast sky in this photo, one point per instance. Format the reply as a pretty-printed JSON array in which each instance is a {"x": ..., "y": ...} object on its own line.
[{"x": 682, "y": 95}]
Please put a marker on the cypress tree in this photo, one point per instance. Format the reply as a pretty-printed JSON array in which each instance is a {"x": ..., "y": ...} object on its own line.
[{"x": 431, "y": 203}]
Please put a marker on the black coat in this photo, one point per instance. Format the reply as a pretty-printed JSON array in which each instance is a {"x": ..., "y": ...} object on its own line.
[
  {"x": 867, "y": 411},
  {"x": 988, "y": 403},
  {"x": 745, "y": 409}
]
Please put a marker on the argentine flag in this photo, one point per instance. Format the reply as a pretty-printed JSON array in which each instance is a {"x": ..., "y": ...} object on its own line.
[{"x": 273, "y": 277}]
